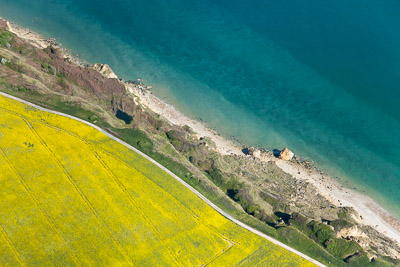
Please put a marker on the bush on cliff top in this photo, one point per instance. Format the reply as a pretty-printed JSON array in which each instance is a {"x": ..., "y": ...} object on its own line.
[
  {"x": 6, "y": 38},
  {"x": 321, "y": 232},
  {"x": 342, "y": 248}
]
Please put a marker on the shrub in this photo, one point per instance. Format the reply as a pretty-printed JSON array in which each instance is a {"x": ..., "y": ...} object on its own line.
[
  {"x": 93, "y": 118},
  {"x": 216, "y": 176},
  {"x": 6, "y": 38},
  {"x": 136, "y": 138},
  {"x": 298, "y": 220},
  {"x": 321, "y": 231},
  {"x": 264, "y": 217},
  {"x": 172, "y": 136},
  {"x": 359, "y": 259},
  {"x": 344, "y": 213},
  {"x": 145, "y": 145},
  {"x": 339, "y": 224},
  {"x": 48, "y": 68},
  {"x": 342, "y": 248},
  {"x": 14, "y": 66},
  {"x": 60, "y": 75},
  {"x": 243, "y": 197},
  {"x": 276, "y": 204}
]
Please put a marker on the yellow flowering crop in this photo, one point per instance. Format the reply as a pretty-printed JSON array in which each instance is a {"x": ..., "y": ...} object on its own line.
[{"x": 70, "y": 195}]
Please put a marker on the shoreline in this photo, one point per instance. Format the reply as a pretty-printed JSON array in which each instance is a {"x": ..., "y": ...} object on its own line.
[
  {"x": 369, "y": 211},
  {"x": 42, "y": 42}
]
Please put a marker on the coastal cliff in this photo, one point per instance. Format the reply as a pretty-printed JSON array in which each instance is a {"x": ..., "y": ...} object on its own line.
[{"x": 257, "y": 187}]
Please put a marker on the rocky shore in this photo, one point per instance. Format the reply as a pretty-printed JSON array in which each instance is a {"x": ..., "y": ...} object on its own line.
[{"x": 304, "y": 189}]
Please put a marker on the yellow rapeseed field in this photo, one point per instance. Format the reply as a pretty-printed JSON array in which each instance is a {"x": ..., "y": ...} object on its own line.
[{"x": 70, "y": 195}]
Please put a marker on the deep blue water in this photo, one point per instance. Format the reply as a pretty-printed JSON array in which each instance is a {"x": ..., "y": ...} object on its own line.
[{"x": 321, "y": 77}]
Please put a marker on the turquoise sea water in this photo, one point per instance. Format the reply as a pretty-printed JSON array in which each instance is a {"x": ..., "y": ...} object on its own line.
[{"x": 321, "y": 77}]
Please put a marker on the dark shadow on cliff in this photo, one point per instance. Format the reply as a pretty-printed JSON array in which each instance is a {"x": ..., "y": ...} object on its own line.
[{"x": 276, "y": 152}]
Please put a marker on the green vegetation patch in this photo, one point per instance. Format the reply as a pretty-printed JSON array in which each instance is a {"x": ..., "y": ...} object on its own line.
[
  {"x": 342, "y": 248},
  {"x": 6, "y": 38}
]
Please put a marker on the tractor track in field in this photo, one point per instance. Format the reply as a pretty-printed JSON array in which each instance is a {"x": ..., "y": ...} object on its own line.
[
  {"x": 211, "y": 204},
  {"x": 196, "y": 218},
  {"x": 12, "y": 247},
  {"x": 81, "y": 194},
  {"x": 40, "y": 207}
]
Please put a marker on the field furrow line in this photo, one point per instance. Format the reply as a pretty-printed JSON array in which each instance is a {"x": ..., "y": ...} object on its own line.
[
  {"x": 194, "y": 215},
  {"x": 12, "y": 247},
  {"x": 39, "y": 206},
  {"x": 134, "y": 204},
  {"x": 263, "y": 263},
  {"x": 79, "y": 191},
  {"x": 220, "y": 253},
  {"x": 228, "y": 240},
  {"x": 45, "y": 123}
]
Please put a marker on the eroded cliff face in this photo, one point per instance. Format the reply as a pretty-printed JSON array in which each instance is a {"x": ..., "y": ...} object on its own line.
[
  {"x": 105, "y": 70},
  {"x": 97, "y": 80}
]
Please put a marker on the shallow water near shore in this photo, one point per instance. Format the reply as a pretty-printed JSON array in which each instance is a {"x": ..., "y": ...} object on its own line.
[{"x": 320, "y": 78}]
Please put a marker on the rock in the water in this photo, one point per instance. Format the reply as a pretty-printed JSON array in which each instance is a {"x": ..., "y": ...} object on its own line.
[
  {"x": 286, "y": 154},
  {"x": 105, "y": 70}
]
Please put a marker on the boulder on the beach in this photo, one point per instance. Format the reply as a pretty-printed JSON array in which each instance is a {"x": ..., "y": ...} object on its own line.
[
  {"x": 257, "y": 153},
  {"x": 105, "y": 70},
  {"x": 286, "y": 154}
]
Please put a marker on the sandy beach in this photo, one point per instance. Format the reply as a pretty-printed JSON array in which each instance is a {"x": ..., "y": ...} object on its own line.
[
  {"x": 370, "y": 213},
  {"x": 34, "y": 38}
]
